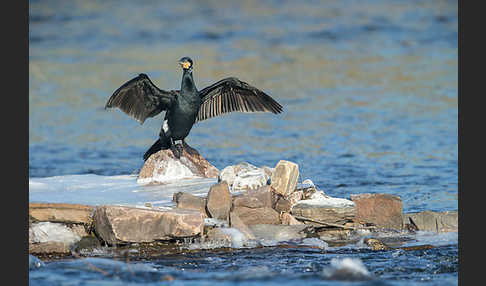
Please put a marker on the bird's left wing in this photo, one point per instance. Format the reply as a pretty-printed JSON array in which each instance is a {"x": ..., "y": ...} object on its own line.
[
  {"x": 141, "y": 99},
  {"x": 231, "y": 94}
]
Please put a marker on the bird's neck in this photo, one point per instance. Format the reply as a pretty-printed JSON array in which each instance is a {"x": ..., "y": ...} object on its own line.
[{"x": 188, "y": 84}]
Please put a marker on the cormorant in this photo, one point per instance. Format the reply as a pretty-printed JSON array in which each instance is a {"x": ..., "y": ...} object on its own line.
[{"x": 141, "y": 99}]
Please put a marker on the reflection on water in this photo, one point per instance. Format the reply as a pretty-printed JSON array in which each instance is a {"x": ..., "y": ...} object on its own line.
[{"x": 369, "y": 90}]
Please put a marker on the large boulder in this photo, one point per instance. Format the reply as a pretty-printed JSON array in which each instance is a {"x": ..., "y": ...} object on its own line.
[
  {"x": 120, "y": 224},
  {"x": 382, "y": 210},
  {"x": 285, "y": 178},
  {"x": 163, "y": 166},
  {"x": 245, "y": 176},
  {"x": 219, "y": 201}
]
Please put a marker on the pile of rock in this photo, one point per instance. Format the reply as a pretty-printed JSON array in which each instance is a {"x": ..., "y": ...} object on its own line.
[{"x": 247, "y": 204}]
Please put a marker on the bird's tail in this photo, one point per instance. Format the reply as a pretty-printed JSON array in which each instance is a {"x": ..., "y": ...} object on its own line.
[{"x": 156, "y": 147}]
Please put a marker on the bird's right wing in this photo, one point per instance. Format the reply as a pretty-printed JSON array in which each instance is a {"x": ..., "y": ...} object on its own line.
[{"x": 141, "y": 99}]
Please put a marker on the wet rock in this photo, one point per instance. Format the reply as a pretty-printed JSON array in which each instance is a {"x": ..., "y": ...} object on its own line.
[
  {"x": 218, "y": 235},
  {"x": 219, "y": 201},
  {"x": 245, "y": 176},
  {"x": 382, "y": 210},
  {"x": 163, "y": 166},
  {"x": 188, "y": 201},
  {"x": 287, "y": 219},
  {"x": 325, "y": 209},
  {"x": 434, "y": 221},
  {"x": 236, "y": 222},
  {"x": 375, "y": 244},
  {"x": 58, "y": 212},
  {"x": 334, "y": 234},
  {"x": 278, "y": 232},
  {"x": 285, "y": 178},
  {"x": 259, "y": 198},
  {"x": 119, "y": 224},
  {"x": 251, "y": 216},
  {"x": 87, "y": 243}
]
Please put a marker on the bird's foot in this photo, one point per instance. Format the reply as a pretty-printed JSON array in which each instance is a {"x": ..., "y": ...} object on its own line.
[{"x": 177, "y": 149}]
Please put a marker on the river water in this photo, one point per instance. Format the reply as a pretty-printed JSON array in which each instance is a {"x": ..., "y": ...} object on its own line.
[{"x": 369, "y": 90}]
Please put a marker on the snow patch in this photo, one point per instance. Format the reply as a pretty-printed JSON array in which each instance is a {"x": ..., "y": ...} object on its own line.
[
  {"x": 350, "y": 269},
  {"x": 55, "y": 232}
]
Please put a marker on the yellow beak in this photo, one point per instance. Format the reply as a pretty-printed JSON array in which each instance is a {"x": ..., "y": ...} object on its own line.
[{"x": 185, "y": 65}]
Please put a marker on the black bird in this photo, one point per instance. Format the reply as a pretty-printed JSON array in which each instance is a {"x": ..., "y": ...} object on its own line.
[{"x": 141, "y": 99}]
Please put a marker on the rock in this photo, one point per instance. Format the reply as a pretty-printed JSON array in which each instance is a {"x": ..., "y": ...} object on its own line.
[
  {"x": 285, "y": 204},
  {"x": 218, "y": 235},
  {"x": 219, "y": 201},
  {"x": 251, "y": 216},
  {"x": 87, "y": 243},
  {"x": 325, "y": 209},
  {"x": 375, "y": 244},
  {"x": 189, "y": 201},
  {"x": 334, "y": 234},
  {"x": 259, "y": 198},
  {"x": 382, "y": 210},
  {"x": 164, "y": 167},
  {"x": 120, "y": 224},
  {"x": 41, "y": 232},
  {"x": 285, "y": 178},
  {"x": 244, "y": 176},
  {"x": 278, "y": 232},
  {"x": 55, "y": 212},
  {"x": 236, "y": 222},
  {"x": 434, "y": 221},
  {"x": 49, "y": 247},
  {"x": 287, "y": 219}
]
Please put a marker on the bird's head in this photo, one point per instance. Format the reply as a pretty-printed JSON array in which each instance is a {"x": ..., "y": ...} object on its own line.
[{"x": 186, "y": 63}]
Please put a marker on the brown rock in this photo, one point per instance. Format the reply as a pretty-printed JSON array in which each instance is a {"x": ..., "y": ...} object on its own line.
[
  {"x": 327, "y": 210},
  {"x": 159, "y": 166},
  {"x": 259, "y": 198},
  {"x": 191, "y": 202},
  {"x": 236, "y": 222},
  {"x": 217, "y": 235},
  {"x": 119, "y": 224},
  {"x": 257, "y": 216},
  {"x": 285, "y": 178},
  {"x": 219, "y": 201},
  {"x": 382, "y": 210},
  {"x": 283, "y": 205},
  {"x": 278, "y": 232},
  {"x": 287, "y": 219},
  {"x": 434, "y": 221},
  {"x": 375, "y": 244},
  {"x": 49, "y": 247},
  {"x": 56, "y": 212}
]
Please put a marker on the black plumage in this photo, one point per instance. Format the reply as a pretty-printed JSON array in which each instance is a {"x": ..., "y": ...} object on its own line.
[{"x": 141, "y": 99}]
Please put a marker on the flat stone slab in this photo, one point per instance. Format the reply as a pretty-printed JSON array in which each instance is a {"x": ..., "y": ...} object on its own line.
[
  {"x": 382, "y": 210},
  {"x": 278, "y": 232},
  {"x": 251, "y": 216},
  {"x": 119, "y": 224},
  {"x": 59, "y": 212},
  {"x": 325, "y": 209},
  {"x": 434, "y": 221}
]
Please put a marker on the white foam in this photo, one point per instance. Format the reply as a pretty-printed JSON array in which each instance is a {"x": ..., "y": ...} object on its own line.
[
  {"x": 346, "y": 269},
  {"x": 316, "y": 242},
  {"x": 320, "y": 199}
]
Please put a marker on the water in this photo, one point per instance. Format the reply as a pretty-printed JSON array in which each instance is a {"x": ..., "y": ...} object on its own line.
[{"x": 369, "y": 93}]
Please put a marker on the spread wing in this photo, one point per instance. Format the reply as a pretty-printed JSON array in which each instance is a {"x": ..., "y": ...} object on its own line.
[
  {"x": 231, "y": 94},
  {"x": 141, "y": 99}
]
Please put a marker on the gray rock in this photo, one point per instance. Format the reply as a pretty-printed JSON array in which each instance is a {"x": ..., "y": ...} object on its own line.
[
  {"x": 188, "y": 201},
  {"x": 434, "y": 221},
  {"x": 219, "y": 201}
]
